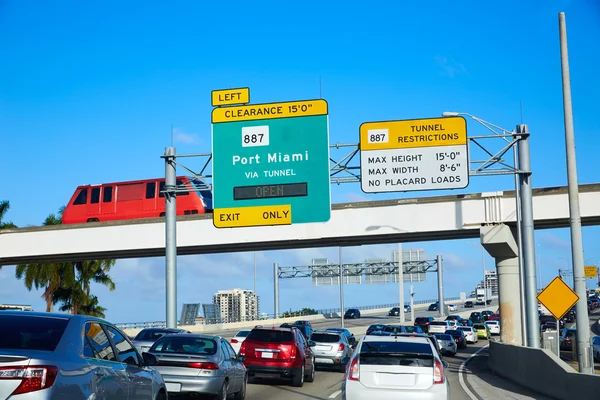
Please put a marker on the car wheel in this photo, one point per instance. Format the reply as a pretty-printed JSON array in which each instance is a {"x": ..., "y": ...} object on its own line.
[
  {"x": 298, "y": 379},
  {"x": 223, "y": 392},
  {"x": 161, "y": 395},
  {"x": 311, "y": 376},
  {"x": 241, "y": 394}
]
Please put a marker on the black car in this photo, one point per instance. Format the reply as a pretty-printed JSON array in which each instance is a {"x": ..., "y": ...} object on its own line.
[
  {"x": 550, "y": 318},
  {"x": 349, "y": 336},
  {"x": 423, "y": 323},
  {"x": 469, "y": 304},
  {"x": 374, "y": 328},
  {"x": 486, "y": 314},
  {"x": 459, "y": 338},
  {"x": 394, "y": 329},
  {"x": 352, "y": 313},
  {"x": 476, "y": 317},
  {"x": 433, "y": 307}
]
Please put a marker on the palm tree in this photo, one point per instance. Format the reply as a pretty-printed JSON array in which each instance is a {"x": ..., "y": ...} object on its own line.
[
  {"x": 75, "y": 290},
  {"x": 4, "y": 206},
  {"x": 69, "y": 282},
  {"x": 44, "y": 276}
]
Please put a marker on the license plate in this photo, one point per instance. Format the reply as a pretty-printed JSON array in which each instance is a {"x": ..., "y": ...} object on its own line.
[
  {"x": 173, "y": 387},
  {"x": 323, "y": 361},
  {"x": 266, "y": 355}
]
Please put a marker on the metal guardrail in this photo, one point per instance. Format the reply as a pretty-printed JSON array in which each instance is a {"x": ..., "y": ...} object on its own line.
[{"x": 327, "y": 311}]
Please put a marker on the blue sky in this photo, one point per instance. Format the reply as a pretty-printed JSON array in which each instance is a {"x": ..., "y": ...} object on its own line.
[{"x": 89, "y": 94}]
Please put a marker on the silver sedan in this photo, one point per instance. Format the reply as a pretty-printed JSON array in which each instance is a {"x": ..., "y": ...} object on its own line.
[
  {"x": 200, "y": 365},
  {"x": 63, "y": 356},
  {"x": 146, "y": 337}
]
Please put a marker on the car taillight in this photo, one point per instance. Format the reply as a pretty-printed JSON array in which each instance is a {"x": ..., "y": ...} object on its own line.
[
  {"x": 234, "y": 341},
  {"x": 293, "y": 352},
  {"x": 243, "y": 349},
  {"x": 438, "y": 372},
  {"x": 32, "y": 378},
  {"x": 353, "y": 371},
  {"x": 203, "y": 365},
  {"x": 342, "y": 347}
]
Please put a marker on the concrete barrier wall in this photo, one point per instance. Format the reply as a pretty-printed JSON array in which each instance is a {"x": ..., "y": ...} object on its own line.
[
  {"x": 212, "y": 328},
  {"x": 541, "y": 371}
]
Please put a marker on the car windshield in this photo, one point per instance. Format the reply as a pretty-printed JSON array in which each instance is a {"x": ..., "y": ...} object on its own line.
[
  {"x": 443, "y": 337},
  {"x": 325, "y": 337},
  {"x": 21, "y": 332},
  {"x": 152, "y": 335},
  {"x": 479, "y": 326},
  {"x": 185, "y": 344},
  {"x": 242, "y": 334},
  {"x": 273, "y": 336},
  {"x": 438, "y": 323},
  {"x": 413, "y": 329},
  {"x": 464, "y": 328}
]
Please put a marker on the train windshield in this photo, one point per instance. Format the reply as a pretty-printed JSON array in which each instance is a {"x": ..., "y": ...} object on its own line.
[{"x": 203, "y": 190}]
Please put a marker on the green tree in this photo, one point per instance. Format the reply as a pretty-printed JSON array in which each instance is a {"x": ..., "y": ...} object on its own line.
[
  {"x": 74, "y": 293},
  {"x": 44, "y": 276},
  {"x": 4, "y": 206},
  {"x": 67, "y": 283}
]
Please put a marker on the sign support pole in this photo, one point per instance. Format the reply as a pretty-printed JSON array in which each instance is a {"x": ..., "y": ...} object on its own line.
[
  {"x": 401, "y": 283},
  {"x": 412, "y": 303},
  {"x": 276, "y": 291},
  {"x": 583, "y": 335},
  {"x": 171, "y": 236},
  {"x": 442, "y": 306},
  {"x": 531, "y": 308},
  {"x": 341, "y": 289}
]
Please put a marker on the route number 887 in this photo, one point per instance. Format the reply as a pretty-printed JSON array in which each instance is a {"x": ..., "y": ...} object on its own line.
[
  {"x": 255, "y": 136},
  {"x": 377, "y": 136}
]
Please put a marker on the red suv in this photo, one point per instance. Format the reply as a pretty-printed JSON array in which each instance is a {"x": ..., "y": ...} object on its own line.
[{"x": 279, "y": 352}]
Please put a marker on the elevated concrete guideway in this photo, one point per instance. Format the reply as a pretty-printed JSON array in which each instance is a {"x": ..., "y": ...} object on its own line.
[{"x": 360, "y": 223}]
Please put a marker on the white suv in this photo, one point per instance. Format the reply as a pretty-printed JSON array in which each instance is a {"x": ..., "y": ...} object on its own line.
[
  {"x": 439, "y": 326},
  {"x": 418, "y": 372}
]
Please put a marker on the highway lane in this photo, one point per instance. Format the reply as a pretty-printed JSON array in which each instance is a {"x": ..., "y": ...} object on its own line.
[
  {"x": 327, "y": 384},
  {"x": 367, "y": 320}
]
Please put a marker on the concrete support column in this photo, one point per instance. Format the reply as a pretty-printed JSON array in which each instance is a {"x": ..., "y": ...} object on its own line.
[
  {"x": 499, "y": 242},
  {"x": 507, "y": 270}
]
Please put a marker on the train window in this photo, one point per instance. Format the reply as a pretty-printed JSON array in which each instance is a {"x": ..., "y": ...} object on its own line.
[
  {"x": 81, "y": 197},
  {"x": 95, "y": 198},
  {"x": 161, "y": 188},
  {"x": 107, "y": 194},
  {"x": 150, "y": 190}
]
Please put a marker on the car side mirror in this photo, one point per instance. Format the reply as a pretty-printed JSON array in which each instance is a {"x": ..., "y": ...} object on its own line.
[
  {"x": 149, "y": 359},
  {"x": 445, "y": 364},
  {"x": 241, "y": 358},
  {"x": 311, "y": 343}
]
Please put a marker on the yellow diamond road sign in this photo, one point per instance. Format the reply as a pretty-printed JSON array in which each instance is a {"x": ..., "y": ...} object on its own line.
[
  {"x": 558, "y": 297},
  {"x": 590, "y": 271}
]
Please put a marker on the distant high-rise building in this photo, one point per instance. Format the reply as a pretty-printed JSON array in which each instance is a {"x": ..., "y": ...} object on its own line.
[
  {"x": 236, "y": 305},
  {"x": 491, "y": 282}
]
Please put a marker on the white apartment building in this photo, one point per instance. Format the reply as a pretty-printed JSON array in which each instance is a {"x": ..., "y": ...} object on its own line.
[
  {"x": 237, "y": 305},
  {"x": 491, "y": 282}
]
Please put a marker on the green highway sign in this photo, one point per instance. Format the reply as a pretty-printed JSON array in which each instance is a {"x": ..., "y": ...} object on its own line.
[{"x": 271, "y": 164}]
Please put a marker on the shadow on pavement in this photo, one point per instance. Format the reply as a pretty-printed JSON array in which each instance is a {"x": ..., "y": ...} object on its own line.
[{"x": 478, "y": 368}]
